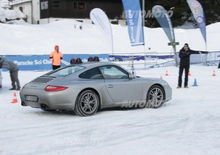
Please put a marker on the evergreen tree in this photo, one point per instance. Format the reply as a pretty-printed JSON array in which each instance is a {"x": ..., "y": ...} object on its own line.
[{"x": 182, "y": 12}]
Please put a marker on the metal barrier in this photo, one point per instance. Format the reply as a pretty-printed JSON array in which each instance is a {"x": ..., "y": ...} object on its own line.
[
  {"x": 213, "y": 58},
  {"x": 143, "y": 61},
  {"x": 140, "y": 61}
]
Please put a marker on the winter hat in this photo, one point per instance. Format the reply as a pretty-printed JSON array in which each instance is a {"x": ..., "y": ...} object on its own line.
[{"x": 186, "y": 44}]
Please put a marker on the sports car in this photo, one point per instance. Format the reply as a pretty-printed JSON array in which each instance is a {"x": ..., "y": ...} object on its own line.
[{"x": 86, "y": 88}]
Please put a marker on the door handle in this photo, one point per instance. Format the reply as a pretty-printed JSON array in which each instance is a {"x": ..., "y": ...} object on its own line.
[{"x": 110, "y": 86}]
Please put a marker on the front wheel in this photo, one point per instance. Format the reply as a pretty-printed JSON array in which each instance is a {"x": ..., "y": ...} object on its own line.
[
  {"x": 155, "y": 97},
  {"x": 87, "y": 103}
]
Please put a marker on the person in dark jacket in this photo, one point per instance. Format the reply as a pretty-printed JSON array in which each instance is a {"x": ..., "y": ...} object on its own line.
[
  {"x": 13, "y": 69},
  {"x": 184, "y": 56}
]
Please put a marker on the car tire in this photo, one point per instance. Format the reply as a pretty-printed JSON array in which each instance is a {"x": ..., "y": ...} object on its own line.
[
  {"x": 155, "y": 97},
  {"x": 87, "y": 103}
]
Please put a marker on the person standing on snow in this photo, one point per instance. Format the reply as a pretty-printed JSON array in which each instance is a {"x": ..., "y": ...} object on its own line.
[
  {"x": 56, "y": 57},
  {"x": 184, "y": 56},
  {"x": 13, "y": 69}
]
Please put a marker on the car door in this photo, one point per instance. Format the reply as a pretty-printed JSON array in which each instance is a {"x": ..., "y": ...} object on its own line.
[{"x": 120, "y": 88}]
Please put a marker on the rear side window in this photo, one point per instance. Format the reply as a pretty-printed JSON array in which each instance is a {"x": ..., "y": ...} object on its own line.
[
  {"x": 62, "y": 72},
  {"x": 91, "y": 74}
]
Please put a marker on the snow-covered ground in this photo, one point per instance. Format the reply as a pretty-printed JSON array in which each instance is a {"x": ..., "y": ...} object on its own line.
[
  {"x": 40, "y": 39},
  {"x": 187, "y": 125}
]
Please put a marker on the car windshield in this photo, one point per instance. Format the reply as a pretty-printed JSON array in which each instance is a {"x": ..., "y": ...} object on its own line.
[{"x": 65, "y": 71}]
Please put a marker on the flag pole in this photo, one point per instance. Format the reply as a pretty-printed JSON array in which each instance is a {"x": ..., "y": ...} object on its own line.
[
  {"x": 206, "y": 49},
  {"x": 143, "y": 16},
  {"x": 112, "y": 41}
]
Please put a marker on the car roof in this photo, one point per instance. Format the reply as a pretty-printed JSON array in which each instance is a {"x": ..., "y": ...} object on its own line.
[
  {"x": 90, "y": 65},
  {"x": 96, "y": 64}
]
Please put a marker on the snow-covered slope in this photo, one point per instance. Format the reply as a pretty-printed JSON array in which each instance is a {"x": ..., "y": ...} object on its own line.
[{"x": 40, "y": 39}]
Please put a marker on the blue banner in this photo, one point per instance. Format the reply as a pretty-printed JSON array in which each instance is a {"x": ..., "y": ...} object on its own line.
[
  {"x": 199, "y": 16},
  {"x": 42, "y": 62},
  {"x": 137, "y": 57},
  {"x": 163, "y": 19},
  {"x": 134, "y": 21}
]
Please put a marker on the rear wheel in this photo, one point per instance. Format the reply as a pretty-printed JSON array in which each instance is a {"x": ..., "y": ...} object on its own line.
[
  {"x": 155, "y": 97},
  {"x": 87, "y": 103}
]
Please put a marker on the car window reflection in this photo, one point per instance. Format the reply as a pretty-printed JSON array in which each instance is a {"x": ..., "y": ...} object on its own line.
[{"x": 113, "y": 72}]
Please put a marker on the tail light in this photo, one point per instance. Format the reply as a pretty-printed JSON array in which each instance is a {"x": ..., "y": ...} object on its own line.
[{"x": 52, "y": 88}]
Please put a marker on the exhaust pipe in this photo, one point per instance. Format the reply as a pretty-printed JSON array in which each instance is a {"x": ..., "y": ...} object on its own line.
[{"x": 44, "y": 107}]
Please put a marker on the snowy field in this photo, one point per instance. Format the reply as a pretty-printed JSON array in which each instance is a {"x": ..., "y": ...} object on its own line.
[
  {"x": 72, "y": 40},
  {"x": 187, "y": 125}
]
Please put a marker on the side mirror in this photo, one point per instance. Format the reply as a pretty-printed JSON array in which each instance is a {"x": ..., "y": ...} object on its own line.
[{"x": 131, "y": 76}]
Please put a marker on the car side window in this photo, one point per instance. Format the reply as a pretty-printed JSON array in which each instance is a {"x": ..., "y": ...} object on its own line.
[
  {"x": 91, "y": 74},
  {"x": 113, "y": 72}
]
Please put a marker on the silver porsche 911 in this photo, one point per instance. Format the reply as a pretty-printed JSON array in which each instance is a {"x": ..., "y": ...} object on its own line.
[{"x": 87, "y": 88}]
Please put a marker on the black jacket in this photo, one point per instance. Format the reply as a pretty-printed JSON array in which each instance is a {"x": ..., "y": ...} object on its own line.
[{"x": 185, "y": 56}]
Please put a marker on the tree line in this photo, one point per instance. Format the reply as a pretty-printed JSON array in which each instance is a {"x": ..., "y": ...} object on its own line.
[{"x": 182, "y": 12}]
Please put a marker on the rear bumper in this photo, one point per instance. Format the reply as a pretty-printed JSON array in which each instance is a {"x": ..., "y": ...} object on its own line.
[{"x": 62, "y": 100}]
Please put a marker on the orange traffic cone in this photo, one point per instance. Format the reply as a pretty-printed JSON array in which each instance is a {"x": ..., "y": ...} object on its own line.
[
  {"x": 167, "y": 74},
  {"x": 214, "y": 74},
  {"x": 14, "y": 100},
  {"x": 189, "y": 74}
]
